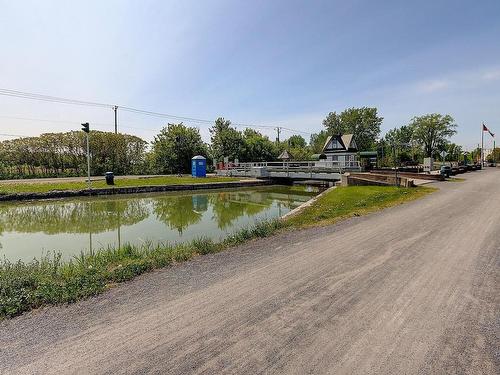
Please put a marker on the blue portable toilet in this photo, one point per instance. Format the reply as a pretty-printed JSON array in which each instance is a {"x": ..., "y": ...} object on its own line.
[{"x": 198, "y": 166}]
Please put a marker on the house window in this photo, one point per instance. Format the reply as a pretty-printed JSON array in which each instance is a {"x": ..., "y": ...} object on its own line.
[{"x": 334, "y": 144}]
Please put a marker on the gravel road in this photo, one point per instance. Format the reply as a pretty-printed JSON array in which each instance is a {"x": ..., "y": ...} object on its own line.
[{"x": 409, "y": 290}]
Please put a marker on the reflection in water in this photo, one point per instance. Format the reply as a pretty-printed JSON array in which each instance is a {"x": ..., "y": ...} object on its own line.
[
  {"x": 228, "y": 206},
  {"x": 69, "y": 216},
  {"x": 177, "y": 212},
  {"x": 72, "y": 225}
]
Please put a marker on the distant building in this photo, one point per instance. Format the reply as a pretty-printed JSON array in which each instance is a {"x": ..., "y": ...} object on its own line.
[
  {"x": 341, "y": 149},
  {"x": 285, "y": 156}
]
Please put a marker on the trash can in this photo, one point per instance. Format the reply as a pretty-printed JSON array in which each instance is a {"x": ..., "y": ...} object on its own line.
[
  {"x": 110, "y": 178},
  {"x": 445, "y": 171}
]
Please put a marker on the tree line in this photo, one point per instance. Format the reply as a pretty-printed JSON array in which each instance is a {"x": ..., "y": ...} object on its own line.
[
  {"x": 64, "y": 154},
  {"x": 424, "y": 136}
]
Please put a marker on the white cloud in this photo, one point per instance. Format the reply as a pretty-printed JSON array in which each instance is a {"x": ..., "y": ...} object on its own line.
[
  {"x": 432, "y": 85},
  {"x": 491, "y": 75}
]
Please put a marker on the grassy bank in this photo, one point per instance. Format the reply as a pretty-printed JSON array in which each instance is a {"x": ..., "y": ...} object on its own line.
[
  {"x": 42, "y": 187},
  {"x": 26, "y": 286},
  {"x": 344, "y": 202}
]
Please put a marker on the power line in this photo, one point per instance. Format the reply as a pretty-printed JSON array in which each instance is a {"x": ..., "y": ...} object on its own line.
[
  {"x": 295, "y": 131},
  {"x": 77, "y": 122},
  {"x": 114, "y": 107},
  {"x": 44, "y": 120},
  {"x": 48, "y": 98},
  {"x": 69, "y": 122}
]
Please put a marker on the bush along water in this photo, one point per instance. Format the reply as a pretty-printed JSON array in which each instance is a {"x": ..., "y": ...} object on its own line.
[{"x": 49, "y": 280}]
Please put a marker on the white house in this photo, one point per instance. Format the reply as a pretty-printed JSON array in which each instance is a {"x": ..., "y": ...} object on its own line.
[{"x": 341, "y": 149}]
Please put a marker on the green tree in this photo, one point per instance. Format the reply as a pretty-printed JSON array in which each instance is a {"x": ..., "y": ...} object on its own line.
[
  {"x": 297, "y": 141},
  {"x": 174, "y": 147},
  {"x": 257, "y": 147},
  {"x": 225, "y": 140},
  {"x": 296, "y": 146},
  {"x": 454, "y": 152},
  {"x": 363, "y": 123},
  {"x": 399, "y": 144},
  {"x": 64, "y": 154},
  {"x": 300, "y": 153},
  {"x": 495, "y": 155},
  {"x": 317, "y": 141},
  {"x": 475, "y": 155},
  {"x": 121, "y": 153},
  {"x": 432, "y": 131}
]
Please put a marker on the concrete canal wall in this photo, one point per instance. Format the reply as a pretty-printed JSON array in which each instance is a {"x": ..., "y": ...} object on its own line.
[
  {"x": 131, "y": 190},
  {"x": 304, "y": 205},
  {"x": 360, "y": 179}
]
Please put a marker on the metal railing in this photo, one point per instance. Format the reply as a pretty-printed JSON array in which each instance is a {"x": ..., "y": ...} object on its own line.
[{"x": 297, "y": 166}]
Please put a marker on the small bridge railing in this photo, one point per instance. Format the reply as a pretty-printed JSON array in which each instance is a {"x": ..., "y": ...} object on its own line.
[{"x": 297, "y": 166}]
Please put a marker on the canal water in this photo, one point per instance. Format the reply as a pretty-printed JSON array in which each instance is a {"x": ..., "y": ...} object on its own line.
[{"x": 69, "y": 226}]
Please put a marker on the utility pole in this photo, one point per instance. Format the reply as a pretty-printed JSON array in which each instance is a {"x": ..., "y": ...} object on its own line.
[
  {"x": 86, "y": 129},
  {"x": 115, "y": 109},
  {"x": 395, "y": 165},
  {"x": 278, "y": 129},
  {"x": 482, "y": 145}
]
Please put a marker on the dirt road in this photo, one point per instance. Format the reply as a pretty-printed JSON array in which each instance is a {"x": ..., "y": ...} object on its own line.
[{"x": 409, "y": 290}]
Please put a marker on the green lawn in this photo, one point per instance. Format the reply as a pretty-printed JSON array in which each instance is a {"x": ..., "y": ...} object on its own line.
[
  {"x": 344, "y": 202},
  {"x": 25, "y": 286},
  {"x": 41, "y": 187}
]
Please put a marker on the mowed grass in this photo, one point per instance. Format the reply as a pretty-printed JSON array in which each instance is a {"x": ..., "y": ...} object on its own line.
[
  {"x": 42, "y": 187},
  {"x": 26, "y": 286},
  {"x": 344, "y": 202}
]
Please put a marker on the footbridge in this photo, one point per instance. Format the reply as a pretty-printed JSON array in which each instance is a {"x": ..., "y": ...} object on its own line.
[{"x": 293, "y": 170}]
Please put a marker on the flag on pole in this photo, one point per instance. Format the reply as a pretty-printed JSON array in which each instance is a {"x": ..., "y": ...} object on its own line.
[{"x": 485, "y": 129}]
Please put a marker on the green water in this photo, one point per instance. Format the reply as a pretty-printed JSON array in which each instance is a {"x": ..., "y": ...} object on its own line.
[{"x": 69, "y": 226}]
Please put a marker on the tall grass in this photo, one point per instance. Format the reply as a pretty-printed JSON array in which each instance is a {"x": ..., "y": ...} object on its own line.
[{"x": 26, "y": 286}]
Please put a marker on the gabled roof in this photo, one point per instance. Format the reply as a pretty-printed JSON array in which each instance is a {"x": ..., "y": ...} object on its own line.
[
  {"x": 330, "y": 138},
  {"x": 348, "y": 140},
  {"x": 346, "y": 143},
  {"x": 285, "y": 155}
]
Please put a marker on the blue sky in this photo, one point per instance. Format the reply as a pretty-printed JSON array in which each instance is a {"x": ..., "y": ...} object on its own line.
[{"x": 285, "y": 63}]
